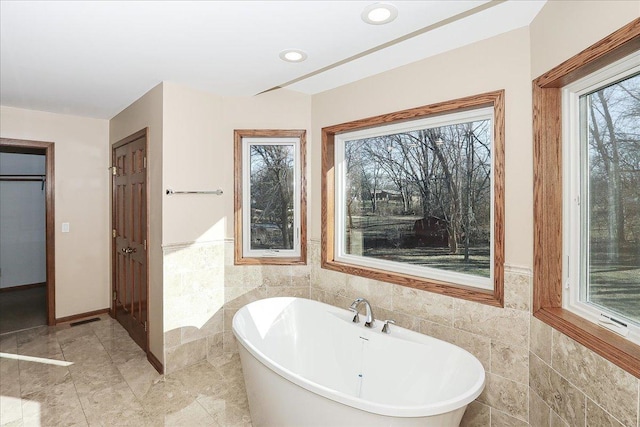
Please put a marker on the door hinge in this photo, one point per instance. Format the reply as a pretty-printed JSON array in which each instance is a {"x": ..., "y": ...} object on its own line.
[
  {"x": 145, "y": 326},
  {"x": 144, "y": 162},
  {"x": 145, "y": 244},
  {"x": 113, "y": 232},
  {"x": 114, "y": 170},
  {"x": 115, "y": 295}
]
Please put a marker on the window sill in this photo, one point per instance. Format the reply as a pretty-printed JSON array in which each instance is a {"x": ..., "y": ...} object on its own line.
[
  {"x": 491, "y": 297},
  {"x": 609, "y": 345},
  {"x": 271, "y": 261}
]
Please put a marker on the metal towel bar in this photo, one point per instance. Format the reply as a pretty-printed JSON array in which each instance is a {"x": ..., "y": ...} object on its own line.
[{"x": 216, "y": 192}]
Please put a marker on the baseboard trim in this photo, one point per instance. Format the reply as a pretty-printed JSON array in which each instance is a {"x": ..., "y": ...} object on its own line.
[
  {"x": 81, "y": 316},
  {"x": 155, "y": 362},
  {"x": 23, "y": 287}
]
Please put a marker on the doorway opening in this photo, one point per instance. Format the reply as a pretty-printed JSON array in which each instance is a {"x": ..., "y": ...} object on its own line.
[{"x": 27, "y": 227}]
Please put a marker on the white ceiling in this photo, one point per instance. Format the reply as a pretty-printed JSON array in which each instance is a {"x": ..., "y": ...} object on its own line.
[{"x": 94, "y": 58}]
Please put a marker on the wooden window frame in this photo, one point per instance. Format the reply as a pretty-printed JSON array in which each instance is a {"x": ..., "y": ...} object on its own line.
[
  {"x": 493, "y": 297},
  {"x": 548, "y": 198},
  {"x": 239, "y": 257}
]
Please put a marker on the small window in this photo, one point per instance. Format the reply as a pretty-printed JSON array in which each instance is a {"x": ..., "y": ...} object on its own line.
[
  {"x": 413, "y": 199},
  {"x": 270, "y": 220},
  {"x": 602, "y": 203}
]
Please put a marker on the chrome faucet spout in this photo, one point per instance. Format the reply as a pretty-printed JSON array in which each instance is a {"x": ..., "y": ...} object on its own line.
[{"x": 370, "y": 319}]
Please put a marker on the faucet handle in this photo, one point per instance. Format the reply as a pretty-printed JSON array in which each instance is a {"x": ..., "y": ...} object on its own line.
[
  {"x": 385, "y": 328},
  {"x": 356, "y": 317}
]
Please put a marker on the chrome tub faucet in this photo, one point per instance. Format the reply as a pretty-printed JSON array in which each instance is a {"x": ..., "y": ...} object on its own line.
[{"x": 370, "y": 320}]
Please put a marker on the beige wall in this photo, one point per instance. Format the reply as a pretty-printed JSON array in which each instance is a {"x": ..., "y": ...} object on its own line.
[
  {"x": 193, "y": 225},
  {"x": 193, "y": 148},
  {"x": 81, "y": 199},
  {"x": 498, "y": 63},
  {"x": 280, "y": 109},
  {"x": 146, "y": 112},
  {"x": 564, "y": 28},
  {"x": 198, "y": 155},
  {"x": 497, "y": 336}
]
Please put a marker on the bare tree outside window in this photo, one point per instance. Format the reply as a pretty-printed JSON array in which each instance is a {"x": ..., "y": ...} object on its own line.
[
  {"x": 270, "y": 197},
  {"x": 561, "y": 250},
  {"x": 272, "y": 177},
  {"x": 612, "y": 130},
  {"x": 422, "y": 197},
  {"x": 416, "y": 197}
]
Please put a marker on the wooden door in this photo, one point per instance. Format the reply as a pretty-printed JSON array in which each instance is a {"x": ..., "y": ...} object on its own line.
[{"x": 130, "y": 284}]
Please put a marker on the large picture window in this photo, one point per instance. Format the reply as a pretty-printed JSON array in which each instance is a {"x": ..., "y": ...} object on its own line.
[{"x": 413, "y": 200}]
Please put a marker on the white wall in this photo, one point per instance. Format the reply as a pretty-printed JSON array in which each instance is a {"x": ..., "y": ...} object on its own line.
[
  {"x": 22, "y": 222},
  {"x": 81, "y": 198}
]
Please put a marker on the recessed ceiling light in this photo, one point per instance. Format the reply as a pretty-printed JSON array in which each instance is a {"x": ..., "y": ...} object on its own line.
[
  {"x": 379, "y": 13},
  {"x": 293, "y": 55}
]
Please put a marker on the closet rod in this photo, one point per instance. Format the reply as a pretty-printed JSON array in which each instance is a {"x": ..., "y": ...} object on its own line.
[
  {"x": 24, "y": 178},
  {"x": 18, "y": 177}
]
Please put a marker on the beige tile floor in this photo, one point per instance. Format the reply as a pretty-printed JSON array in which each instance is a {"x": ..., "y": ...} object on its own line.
[{"x": 94, "y": 374}]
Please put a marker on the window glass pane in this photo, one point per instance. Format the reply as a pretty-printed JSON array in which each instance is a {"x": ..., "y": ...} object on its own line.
[
  {"x": 421, "y": 197},
  {"x": 272, "y": 199},
  {"x": 613, "y": 209}
]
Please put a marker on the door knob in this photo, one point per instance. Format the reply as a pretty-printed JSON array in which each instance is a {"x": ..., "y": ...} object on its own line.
[{"x": 128, "y": 250}]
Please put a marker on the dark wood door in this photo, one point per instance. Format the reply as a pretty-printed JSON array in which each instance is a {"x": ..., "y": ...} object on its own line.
[{"x": 130, "y": 236}]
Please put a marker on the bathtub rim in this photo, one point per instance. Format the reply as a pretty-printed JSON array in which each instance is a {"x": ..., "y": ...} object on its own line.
[{"x": 409, "y": 411}]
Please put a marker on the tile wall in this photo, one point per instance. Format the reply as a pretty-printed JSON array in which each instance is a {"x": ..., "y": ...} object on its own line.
[
  {"x": 498, "y": 337},
  {"x": 535, "y": 375},
  {"x": 247, "y": 283},
  {"x": 571, "y": 385},
  {"x": 193, "y": 299}
]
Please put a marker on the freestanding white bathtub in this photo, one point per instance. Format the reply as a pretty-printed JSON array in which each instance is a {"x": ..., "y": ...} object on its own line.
[{"x": 306, "y": 363}]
